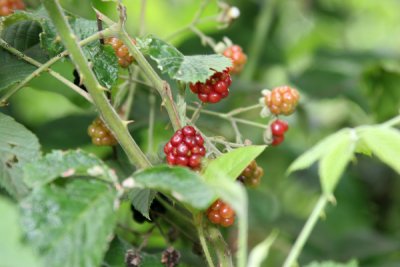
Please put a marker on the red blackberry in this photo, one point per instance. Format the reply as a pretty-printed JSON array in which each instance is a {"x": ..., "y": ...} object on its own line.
[
  {"x": 278, "y": 129},
  {"x": 214, "y": 89},
  {"x": 185, "y": 148},
  {"x": 282, "y": 100},
  {"x": 7, "y": 7},
  {"x": 235, "y": 53},
  {"x": 221, "y": 213},
  {"x": 251, "y": 176},
  {"x": 100, "y": 134},
  {"x": 122, "y": 52}
]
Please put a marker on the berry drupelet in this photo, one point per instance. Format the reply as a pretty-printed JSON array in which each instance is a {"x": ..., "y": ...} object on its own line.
[
  {"x": 278, "y": 129},
  {"x": 122, "y": 52},
  {"x": 185, "y": 148},
  {"x": 8, "y": 7},
  {"x": 282, "y": 100},
  {"x": 251, "y": 176},
  {"x": 221, "y": 213},
  {"x": 235, "y": 53},
  {"x": 214, "y": 89},
  {"x": 100, "y": 134}
]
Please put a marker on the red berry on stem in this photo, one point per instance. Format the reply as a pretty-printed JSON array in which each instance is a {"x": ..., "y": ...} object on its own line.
[
  {"x": 279, "y": 127},
  {"x": 221, "y": 213},
  {"x": 214, "y": 89},
  {"x": 185, "y": 148},
  {"x": 235, "y": 53}
]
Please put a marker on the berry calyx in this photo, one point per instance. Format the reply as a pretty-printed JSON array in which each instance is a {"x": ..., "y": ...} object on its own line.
[
  {"x": 185, "y": 148},
  {"x": 121, "y": 51},
  {"x": 282, "y": 100},
  {"x": 100, "y": 134},
  {"x": 251, "y": 176},
  {"x": 278, "y": 130},
  {"x": 214, "y": 89},
  {"x": 235, "y": 53},
  {"x": 221, "y": 213},
  {"x": 8, "y": 7}
]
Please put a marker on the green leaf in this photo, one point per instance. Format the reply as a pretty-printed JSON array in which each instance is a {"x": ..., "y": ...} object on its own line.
[
  {"x": 70, "y": 225},
  {"x": 115, "y": 256},
  {"x": 384, "y": 143},
  {"x": 335, "y": 160},
  {"x": 18, "y": 146},
  {"x": 141, "y": 199},
  {"x": 231, "y": 164},
  {"x": 12, "y": 252},
  {"x": 105, "y": 62},
  {"x": 260, "y": 252},
  {"x": 316, "y": 152},
  {"x": 23, "y": 36},
  {"x": 182, "y": 183},
  {"x": 65, "y": 164},
  {"x": 179, "y": 67},
  {"x": 352, "y": 263}
]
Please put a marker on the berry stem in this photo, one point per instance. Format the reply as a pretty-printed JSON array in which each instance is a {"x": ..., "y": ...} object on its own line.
[
  {"x": 161, "y": 86},
  {"x": 220, "y": 247},
  {"x": 305, "y": 232},
  {"x": 225, "y": 116},
  {"x": 152, "y": 109},
  {"x": 392, "y": 122},
  {"x": 202, "y": 238},
  {"x": 46, "y": 66},
  {"x": 105, "y": 109},
  {"x": 243, "y": 109}
]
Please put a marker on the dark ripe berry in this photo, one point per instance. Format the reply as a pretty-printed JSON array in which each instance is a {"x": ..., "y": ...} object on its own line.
[
  {"x": 282, "y": 100},
  {"x": 214, "y": 89},
  {"x": 8, "y": 7},
  {"x": 251, "y": 176},
  {"x": 185, "y": 148},
  {"x": 279, "y": 127},
  {"x": 77, "y": 80},
  {"x": 235, "y": 53},
  {"x": 121, "y": 51},
  {"x": 100, "y": 134},
  {"x": 221, "y": 213}
]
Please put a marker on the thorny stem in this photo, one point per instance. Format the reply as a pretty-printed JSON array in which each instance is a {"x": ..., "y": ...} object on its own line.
[
  {"x": 202, "y": 238},
  {"x": 109, "y": 115},
  {"x": 305, "y": 232},
  {"x": 221, "y": 248},
  {"x": 204, "y": 38},
  {"x": 152, "y": 108},
  {"x": 127, "y": 106},
  {"x": 161, "y": 86},
  {"x": 237, "y": 132},
  {"x": 196, "y": 113},
  {"x": 46, "y": 66}
]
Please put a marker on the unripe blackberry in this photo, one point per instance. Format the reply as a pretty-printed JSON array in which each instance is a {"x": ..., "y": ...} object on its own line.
[
  {"x": 278, "y": 130},
  {"x": 185, "y": 148},
  {"x": 100, "y": 134},
  {"x": 7, "y": 7},
  {"x": 221, "y": 213},
  {"x": 214, "y": 89},
  {"x": 282, "y": 100},
  {"x": 121, "y": 51},
  {"x": 235, "y": 53},
  {"x": 251, "y": 176}
]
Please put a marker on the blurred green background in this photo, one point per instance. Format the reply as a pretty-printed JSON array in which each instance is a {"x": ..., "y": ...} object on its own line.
[{"x": 343, "y": 56}]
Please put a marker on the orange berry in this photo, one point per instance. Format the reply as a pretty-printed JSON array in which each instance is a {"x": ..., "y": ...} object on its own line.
[{"x": 282, "y": 100}]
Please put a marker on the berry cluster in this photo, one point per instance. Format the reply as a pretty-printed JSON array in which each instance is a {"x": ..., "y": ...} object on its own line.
[
  {"x": 124, "y": 58},
  {"x": 282, "y": 100},
  {"x": 278, "y": 129},
  {"x": 185, "y": 148},
  {"x": 251, "y": 176},
  {"x": 221, "y": 213},
  {"x": 100, "y": 134},
  {"x": 235, "y": 53},
  {"x": 7, "y": 7},
  {"x": 214, "y": 89}
]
